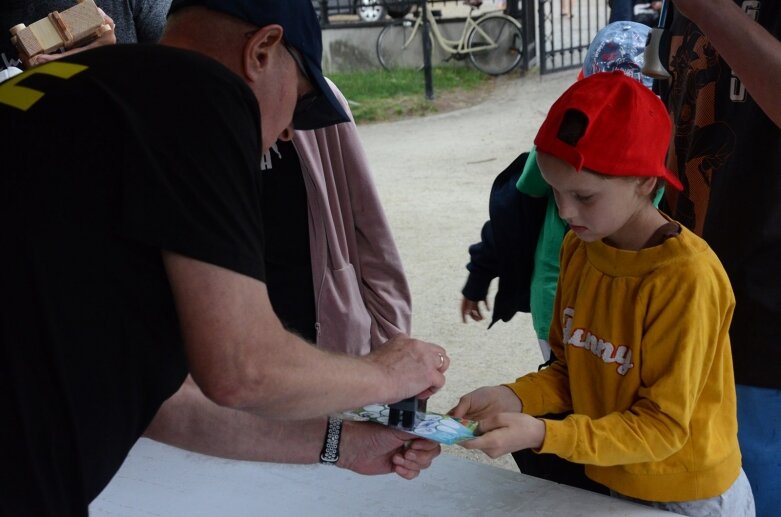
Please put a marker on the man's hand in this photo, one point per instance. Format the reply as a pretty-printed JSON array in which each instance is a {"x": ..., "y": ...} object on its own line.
[
  {"x": 487, "y": 402},
  {"x": 416, "y": 367},
  {"x": 472, "y": 309},
  {"x": 372, "y": 449},
  {"x": 191, "y": 421},
  {"x": 507, "y": 432},
  {"x": 241, "y": 356}
]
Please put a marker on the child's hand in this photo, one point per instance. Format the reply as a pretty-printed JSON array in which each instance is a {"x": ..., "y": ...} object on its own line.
[
  {"x": 486, "y": 402},
  {"x": 472, "y": 309},
  {"x": 506, "y": 433}
]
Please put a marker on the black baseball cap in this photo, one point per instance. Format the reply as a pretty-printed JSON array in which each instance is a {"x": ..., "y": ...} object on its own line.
[{"x": 301, "y": 32}]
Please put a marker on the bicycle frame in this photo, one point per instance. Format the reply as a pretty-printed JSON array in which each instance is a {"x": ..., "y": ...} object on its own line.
[{"x": 455, "y": 46}]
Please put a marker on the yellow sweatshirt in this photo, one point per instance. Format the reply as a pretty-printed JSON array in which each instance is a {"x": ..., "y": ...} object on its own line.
[{"x": 644, "y": 362}]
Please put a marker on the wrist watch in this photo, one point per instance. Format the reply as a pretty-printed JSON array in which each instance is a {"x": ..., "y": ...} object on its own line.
[{"x": 329, "y": 455}]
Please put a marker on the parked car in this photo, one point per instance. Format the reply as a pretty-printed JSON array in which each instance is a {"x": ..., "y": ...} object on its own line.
[
  {"x": 398, "y": 8},
  {"x": 367, "y": 10}
]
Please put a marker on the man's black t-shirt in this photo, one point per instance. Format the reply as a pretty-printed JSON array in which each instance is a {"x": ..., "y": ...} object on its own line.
[
  {"x": 108, "y": 158},
  {"x": 727, "y": 153}
]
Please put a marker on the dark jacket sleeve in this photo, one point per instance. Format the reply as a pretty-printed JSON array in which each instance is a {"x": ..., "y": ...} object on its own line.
[
  {"x": 482, "y": 266},
  {"x": 509, "y": 240}
]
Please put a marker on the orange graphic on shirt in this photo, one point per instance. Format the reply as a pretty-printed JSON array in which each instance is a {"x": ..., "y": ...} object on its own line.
[{"x": 701, "y": 143}]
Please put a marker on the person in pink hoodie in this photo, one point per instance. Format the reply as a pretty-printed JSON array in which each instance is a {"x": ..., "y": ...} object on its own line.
[{"x": 334, "y": 274}]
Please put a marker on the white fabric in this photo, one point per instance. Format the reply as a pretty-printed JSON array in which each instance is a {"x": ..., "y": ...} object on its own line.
[{"x": 9, "y": 73}]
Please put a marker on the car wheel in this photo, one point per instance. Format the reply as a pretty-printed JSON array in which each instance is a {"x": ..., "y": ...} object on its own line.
[
  {"x": 397, "y": 8},
  {"x": 369, "y": 10}
]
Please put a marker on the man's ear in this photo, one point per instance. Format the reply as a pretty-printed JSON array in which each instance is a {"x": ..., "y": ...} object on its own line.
[{"x": 260, "y": 50}]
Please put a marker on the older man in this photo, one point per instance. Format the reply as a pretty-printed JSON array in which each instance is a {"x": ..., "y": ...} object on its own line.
[{"x": 133, "y": 246}]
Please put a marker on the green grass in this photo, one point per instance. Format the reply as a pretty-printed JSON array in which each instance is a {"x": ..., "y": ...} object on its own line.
[{"x": 379, "y": 95}]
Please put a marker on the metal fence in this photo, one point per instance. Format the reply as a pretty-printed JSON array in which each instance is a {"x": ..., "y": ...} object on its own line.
[
  {"x": 564, "y": 37},
  {"x": 552, "y": 38},
  {"x": 373, "y": 13}
]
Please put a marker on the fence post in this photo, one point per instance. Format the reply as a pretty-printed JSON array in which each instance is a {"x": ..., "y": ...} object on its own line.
[
  {"x": 324, "y": 13},
  {"x": 523, "y": 11},
  {"x": 427, "y": 52}
]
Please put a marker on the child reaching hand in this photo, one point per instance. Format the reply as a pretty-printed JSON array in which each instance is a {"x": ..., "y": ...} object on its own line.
[{"x": 641, "y": 319}]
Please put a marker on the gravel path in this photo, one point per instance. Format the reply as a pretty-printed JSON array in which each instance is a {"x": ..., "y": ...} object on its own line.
[{"x": 434, "y": 175}]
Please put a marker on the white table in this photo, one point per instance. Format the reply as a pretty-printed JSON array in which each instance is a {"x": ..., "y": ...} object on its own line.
[{"x": 160, "y": 480}]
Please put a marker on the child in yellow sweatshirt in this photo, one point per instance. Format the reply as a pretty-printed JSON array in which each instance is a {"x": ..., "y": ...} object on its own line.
[{"x": 641, "y": 319}]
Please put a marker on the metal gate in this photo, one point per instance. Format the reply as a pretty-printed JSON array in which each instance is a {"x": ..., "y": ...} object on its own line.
[
  {"x": 564, "y": 40},
  {"x": 552, "y": 41}
]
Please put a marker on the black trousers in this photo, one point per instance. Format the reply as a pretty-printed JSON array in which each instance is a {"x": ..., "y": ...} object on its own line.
[{"x": 553, "y": 468}]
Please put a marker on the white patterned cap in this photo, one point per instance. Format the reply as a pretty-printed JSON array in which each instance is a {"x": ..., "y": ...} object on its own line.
[{"x": 619, "y": 46}]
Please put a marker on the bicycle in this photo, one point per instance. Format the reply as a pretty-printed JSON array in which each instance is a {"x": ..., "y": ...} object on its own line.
[{"x": 492, "y": 42}]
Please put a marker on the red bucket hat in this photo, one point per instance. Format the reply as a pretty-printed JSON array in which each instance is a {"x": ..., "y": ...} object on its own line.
[{"x": 627, "y": 128}]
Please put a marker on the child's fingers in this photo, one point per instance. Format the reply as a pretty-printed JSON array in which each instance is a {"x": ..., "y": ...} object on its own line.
[
  {"x": 466, "y": 308},
  {"x": 459, "y": 411},
  {"x": 472, "y": 309},
  {"x": 492, "y": 442},
  {"x": 461, "y": 408},
  {"x": 487, "y": 429},
  {"x": 486, "y": 443},
  {"x": 491, "y": 423},
  {"x": 474, "y": 312}
]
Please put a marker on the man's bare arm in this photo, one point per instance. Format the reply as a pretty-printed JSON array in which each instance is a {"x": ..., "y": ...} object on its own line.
[
  {"x": 751, "y": 51},
  {"x": 241, "y": 357},
  {"x": 190, "y": 421}
]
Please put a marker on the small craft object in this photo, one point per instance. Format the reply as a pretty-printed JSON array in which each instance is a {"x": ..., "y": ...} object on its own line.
[
  {"x": 432, "y": 426},
  {"x": 404, "y": 414},
  {"x": 74, "y": 27}
]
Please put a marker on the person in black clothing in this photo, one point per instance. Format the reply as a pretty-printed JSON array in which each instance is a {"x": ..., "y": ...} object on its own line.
[
  {"x": 641, "y": 11},
  {"x": 505, "y": 251},
  {"x": 288, "y": 258},
  {"x": 133, "y": 252},
  {"x": 724, "y": 59}
]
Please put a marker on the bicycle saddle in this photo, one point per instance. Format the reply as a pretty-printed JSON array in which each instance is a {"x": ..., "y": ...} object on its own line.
[{"x": 474, "y": 3}]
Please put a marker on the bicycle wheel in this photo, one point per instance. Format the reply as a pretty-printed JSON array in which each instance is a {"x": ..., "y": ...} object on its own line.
[
  {"x": 400, "y": 46},
  {"x": 505, "y": 33}
]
